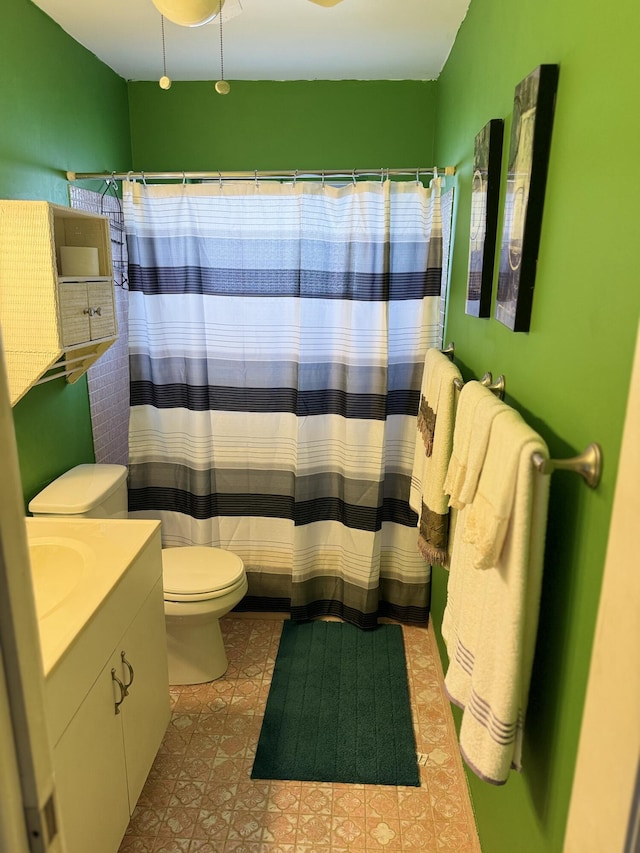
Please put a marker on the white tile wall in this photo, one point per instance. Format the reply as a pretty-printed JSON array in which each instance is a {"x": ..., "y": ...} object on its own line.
[{"x": 108, "y": 379}]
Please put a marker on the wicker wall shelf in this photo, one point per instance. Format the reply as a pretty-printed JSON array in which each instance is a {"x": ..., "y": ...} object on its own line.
[{"x": 53, "y": 325}]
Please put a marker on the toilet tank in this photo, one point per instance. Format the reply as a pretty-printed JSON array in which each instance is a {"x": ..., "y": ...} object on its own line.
[{"x": 87, "y": 491}]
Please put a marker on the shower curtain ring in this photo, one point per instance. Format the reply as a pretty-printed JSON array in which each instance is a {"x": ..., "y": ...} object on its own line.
[
  {"x": 184, "y": 178},
  {"x": 417, "y": 176},
  {"x": 130, "y": 176},
  {"x": 295, "y": 177},
  {"x": 255, "y": 172},
  {"x": 353, "y": 177},
  {"x": 144, "y": 180},
  {"x": 220, "y": 178}
]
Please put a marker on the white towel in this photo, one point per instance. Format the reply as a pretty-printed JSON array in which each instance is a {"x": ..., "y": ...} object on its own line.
[
  {"x": 434, "y": 438},
  {"x": 475, "y": 410},
  {"x": 490, "y": 513},
  {"x": 491, "y": 617}
]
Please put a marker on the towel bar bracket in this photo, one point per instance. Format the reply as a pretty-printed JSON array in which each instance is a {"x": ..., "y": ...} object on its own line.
[
  {"x": 496, "y": 387},
  {"x": 587, "y": 464},
  {"x": 449, "y": 351}
]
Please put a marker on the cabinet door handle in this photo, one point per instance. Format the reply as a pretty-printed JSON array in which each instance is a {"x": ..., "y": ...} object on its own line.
[
  {"x": 131, "y": 673},
  {"x": 88, "y": 311},
  {"x": 123, "y": 690}
]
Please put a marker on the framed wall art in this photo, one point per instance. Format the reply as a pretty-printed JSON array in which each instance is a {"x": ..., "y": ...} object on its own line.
[
  {"x": 533, "y": 110},
  {"x": 485, "y": 192}
]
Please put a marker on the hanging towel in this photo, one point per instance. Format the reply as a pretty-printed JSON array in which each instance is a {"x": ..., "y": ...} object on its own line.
[
  {"x": 476, "y": 408},
  {"x": 491, "y": 617},
  {"x": 490, "y": 513},
  {"x": 434, "y": 437}
]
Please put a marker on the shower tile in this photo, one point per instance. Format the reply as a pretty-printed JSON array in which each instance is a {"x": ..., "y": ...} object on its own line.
[{"x": 200, "y": 797}]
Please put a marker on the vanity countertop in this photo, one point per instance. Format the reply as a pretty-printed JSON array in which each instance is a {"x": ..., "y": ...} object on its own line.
[{"x": 75, "y": 565}]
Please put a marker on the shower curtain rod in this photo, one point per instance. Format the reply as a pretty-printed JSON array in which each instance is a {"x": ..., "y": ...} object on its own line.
[{"x": 259, "y": 174}]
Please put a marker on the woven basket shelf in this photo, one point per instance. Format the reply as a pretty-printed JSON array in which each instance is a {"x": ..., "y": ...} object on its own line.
[{"x": 53, "y": 325}]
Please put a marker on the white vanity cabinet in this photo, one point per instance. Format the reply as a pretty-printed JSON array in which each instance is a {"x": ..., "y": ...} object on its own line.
[
  {"x": 53, "y": 323},
  {"x": 106, "y": 736}
]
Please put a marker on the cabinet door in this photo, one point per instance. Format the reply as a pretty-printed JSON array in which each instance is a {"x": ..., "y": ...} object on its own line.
[
  {"x": 145, "y": 711},
  {"x": 90, "y": 773},
  {"x": 74, "y": 311},
  {"x": 87, "y": 311},
  {"x": 102, "y": 321}
]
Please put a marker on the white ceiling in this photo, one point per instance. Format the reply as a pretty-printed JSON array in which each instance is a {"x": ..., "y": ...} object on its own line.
[{"x": 270, "y": 39}]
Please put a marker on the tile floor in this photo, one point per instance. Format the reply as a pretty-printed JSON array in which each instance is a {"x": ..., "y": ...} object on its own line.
[{"x": 199, "y": 797}]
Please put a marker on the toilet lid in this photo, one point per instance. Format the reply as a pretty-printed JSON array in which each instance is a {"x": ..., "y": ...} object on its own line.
[{"x": 196, "y": 570}]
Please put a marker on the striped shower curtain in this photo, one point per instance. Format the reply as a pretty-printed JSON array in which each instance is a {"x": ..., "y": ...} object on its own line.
[{"x": 277, "y": 340}]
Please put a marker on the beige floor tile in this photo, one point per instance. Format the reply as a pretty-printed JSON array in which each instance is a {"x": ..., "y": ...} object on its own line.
[{"x": 200, "y": 798}]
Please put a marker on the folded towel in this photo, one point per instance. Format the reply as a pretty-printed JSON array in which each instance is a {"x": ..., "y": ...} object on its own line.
[
  {"x": 486, "y": 410},
  {"x": 488, "y": 518},
  {"x": 491, "y": 617},
  {"x": 475, "y": 410},
  {"x": 434, "y": 437}
]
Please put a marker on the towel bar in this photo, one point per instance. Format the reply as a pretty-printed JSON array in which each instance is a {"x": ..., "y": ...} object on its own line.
[{"x": 587, "y": 464}]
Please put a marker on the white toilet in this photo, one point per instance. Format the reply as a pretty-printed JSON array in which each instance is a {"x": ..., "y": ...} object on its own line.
[{"x": 201, "y": 584}]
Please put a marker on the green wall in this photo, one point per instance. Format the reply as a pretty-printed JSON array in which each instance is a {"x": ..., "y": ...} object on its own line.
[
  {"x": 570, "y": 374},
  {"x": 60, "y": 108},
  {"x": 283, "y": 125}
]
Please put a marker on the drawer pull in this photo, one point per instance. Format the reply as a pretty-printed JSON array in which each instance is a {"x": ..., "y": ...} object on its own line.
[
  {"x": 123, "y": 690},
  {"x": 131, "y": 673}
]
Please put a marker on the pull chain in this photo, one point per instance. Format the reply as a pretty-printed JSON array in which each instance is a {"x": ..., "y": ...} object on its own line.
[
  {"x": 222, "y": 87},
  {"x": 164, "y": 82}
]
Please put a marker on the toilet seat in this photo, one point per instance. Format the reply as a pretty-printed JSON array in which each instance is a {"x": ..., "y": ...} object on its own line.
[{"x": 199, "y": 573}]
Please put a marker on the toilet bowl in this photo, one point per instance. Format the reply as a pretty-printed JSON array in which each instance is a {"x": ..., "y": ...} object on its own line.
[{"x": 201, "y": 584}]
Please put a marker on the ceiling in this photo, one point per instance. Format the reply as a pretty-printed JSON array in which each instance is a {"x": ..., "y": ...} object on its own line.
[{"x": 270, "y": 39}]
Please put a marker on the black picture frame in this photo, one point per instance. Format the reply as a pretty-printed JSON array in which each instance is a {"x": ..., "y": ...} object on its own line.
[
  {"x": 533, "y": 110},
  {"x": 483, "y": 230}
]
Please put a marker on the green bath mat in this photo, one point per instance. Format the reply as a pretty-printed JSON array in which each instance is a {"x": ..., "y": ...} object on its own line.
[{"x": 338, "y": 708}]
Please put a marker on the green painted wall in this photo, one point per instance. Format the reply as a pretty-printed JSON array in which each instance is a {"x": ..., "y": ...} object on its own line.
[
  {"x": 570, "y": 374},
  {"x": 60, "y": 108},
  {"x": 287, "y": 125}
]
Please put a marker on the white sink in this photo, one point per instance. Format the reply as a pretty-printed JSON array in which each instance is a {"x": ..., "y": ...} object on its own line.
[
  {"x": 75, "y": 564},
  {"x": 58, "y": 565}
]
